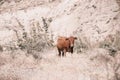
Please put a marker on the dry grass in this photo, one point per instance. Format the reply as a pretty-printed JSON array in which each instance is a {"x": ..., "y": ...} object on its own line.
[
  {"x": 9, "y": 77},
  {"x": 94, "y": 64},
  {"x": 51, "y": 67}
]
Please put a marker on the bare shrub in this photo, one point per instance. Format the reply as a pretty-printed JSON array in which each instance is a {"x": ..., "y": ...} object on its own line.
[
  {"x": 38, "y": 40},
  {"x": 113, "y": 60},
  {"x": 82, "y": 43},
  {"x": 111, "y": 43},
  {"x": 35, "y": 41}
]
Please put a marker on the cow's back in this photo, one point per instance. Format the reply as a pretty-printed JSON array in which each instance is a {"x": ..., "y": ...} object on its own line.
[{"x": 63, "y": 42}]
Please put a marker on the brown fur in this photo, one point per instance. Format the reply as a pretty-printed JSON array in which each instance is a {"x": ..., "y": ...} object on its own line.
[{"x": 64, "y": 45}]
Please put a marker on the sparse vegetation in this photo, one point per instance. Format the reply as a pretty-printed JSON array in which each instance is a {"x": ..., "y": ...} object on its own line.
[
  {"x": 9, "y": 77},
  {"x": 111, "y": 43},
  {"x": 34, "y": 42},
  {"x": 82, "y": 43},
  {"x": 38, "y": 40},
  {"x": 34, "y": 26}
]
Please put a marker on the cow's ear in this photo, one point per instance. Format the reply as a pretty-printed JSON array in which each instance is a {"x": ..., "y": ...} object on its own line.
[
  {"x": 75, "y": 38},
  {"x": 67, "y": 38}
]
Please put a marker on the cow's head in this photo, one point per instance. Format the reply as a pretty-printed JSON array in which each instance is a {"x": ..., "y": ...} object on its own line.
[{"x": 72, "y": 39}]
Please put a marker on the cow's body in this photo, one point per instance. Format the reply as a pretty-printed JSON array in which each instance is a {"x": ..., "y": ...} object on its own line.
[{"x": 65, "y": 44}]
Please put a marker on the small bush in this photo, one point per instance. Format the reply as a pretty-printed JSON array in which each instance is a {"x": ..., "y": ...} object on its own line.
[
  {"x": 37, "y": 40},
  {"x": 34, "y": 42},
  {"x": 82, "y": 44},
  {"x": 111, "y": 43}
]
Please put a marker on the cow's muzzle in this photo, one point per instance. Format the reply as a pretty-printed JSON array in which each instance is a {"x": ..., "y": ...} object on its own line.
[{"x": 72, "y": 45}]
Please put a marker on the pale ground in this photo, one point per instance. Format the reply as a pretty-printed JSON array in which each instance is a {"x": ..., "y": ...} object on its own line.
[{"x": 51, "y": 67}]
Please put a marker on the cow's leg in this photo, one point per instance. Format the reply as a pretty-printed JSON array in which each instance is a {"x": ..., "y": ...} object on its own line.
[
  {"x": 63, "y": 53},
  {"x": 71, "y": 50},
  {"x": 59, "y": 51}
]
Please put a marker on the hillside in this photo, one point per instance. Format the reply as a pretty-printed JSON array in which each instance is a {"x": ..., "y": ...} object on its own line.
[
  {"x": 68, "y": 17},
  {"x": 29, "y": 30}
]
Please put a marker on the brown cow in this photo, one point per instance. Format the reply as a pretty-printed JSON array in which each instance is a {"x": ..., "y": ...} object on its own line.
[{"x": 65, "y": 44}]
